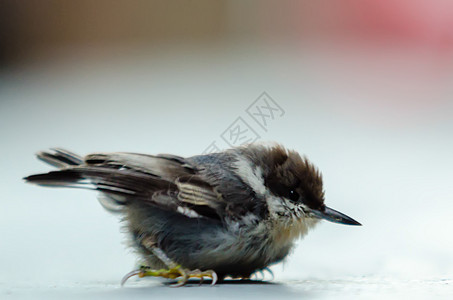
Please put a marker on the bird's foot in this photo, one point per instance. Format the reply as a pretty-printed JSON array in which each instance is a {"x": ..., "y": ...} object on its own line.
[
  {"x": 259, "y": 275},
  {"x": 172, "y": 273}
]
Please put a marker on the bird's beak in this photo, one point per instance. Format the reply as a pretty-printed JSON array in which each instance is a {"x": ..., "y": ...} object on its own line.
[{"x": 334, "y": 216}]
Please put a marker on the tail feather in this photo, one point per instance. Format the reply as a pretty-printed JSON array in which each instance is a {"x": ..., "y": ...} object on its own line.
[
  {"x": 104, "y": 179},
  {"x": 55, "y": 178},
  {"x": 119, "y": 183},
  {"x": 60, "y": 158}
]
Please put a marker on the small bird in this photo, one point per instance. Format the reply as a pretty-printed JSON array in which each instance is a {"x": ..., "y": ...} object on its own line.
[{"x": 231, "y": 213}]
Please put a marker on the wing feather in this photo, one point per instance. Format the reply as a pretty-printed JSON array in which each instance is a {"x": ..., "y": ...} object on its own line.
[{"x": 166, "y": 181}]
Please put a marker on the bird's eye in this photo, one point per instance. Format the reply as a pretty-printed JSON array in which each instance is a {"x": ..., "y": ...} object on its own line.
[{"x": 293, "y": 195}]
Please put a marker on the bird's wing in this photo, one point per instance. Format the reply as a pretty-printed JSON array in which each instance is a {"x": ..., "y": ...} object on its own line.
[
  {"x": 166, "y": 181},
  {"x": 237, "y": 199}
]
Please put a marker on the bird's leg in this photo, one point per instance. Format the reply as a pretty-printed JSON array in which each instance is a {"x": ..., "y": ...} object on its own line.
[{"x": 174, "y": 270}]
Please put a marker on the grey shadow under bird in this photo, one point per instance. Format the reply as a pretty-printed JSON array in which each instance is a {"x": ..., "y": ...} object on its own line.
[{"x": 231, "y": 213}]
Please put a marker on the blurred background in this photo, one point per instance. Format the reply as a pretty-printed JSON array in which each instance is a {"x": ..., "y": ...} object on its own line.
[{"x": 363, "y": 88}]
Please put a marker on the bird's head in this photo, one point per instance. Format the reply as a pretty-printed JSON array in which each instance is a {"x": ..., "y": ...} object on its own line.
[{"x": 293, "y": 187}]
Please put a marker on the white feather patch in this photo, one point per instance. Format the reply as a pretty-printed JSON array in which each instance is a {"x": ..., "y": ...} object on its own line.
[
  {"x": 287, "y": 227},
  {"x": 252, "y": 175},
  {"x": 188, "y": 212}
]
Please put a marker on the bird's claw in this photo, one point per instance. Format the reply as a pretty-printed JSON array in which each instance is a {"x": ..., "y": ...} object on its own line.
[
  {"x": 187, "y": 274},
  {"x": 129, "y": 275},
  {"x": 177, "y": 272}
]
